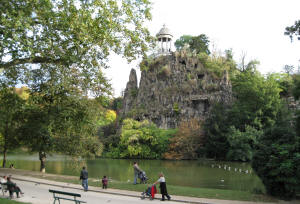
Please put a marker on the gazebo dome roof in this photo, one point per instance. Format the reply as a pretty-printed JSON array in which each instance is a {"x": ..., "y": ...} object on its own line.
[{"x": 164, "y": 32}]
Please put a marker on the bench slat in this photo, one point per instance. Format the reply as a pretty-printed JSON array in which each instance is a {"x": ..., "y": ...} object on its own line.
[
  {"x": 69, "y": 199},
  {"x": 65, "y": 193}
]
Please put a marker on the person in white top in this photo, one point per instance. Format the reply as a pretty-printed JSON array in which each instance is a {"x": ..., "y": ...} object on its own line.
[
  {"x": 162, "y": 186},
  {"x": 3, "y": 179}
]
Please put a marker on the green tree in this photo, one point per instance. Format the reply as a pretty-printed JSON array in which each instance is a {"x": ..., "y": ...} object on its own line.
[
  {"x": 198, "y": 43},
  {"x": 11, "y": 106},
  {"x": 293, "y": 30},
  {"x": 296, "y": 88},
  {"x": 117, "y": 104},
  {"x": 216, "y": 128},
  {"x": 182, "y": 41},
  {"x": 296, "y": 93},
  {"x": 241, "y": 144},
  {"x": 141, "y": 140},
  {"x": 60, "y": 123},
  {"x": 289, "y": 69},
  {"x": 73, "y": 33},
  {"x": 285, "y": 82},
  {"x": 59, "y": 116},
  {"x": 276, "y": 159},
  {"x": 257, "y": 100}
]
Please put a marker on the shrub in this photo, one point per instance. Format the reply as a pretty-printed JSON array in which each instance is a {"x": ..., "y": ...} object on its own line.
[
  {"x": 176, "y": 109},
  {"x": 277, "y": 161},
  {"x": 146, "y": 64},
  {"x": 165, "y": 71},
  {"x": 192, "y": 83},
  {"x": 241, "y": 144},
  {"x": 141, "y": 140},
  {"x": 134, "y": 92},
  {"x": 211, "y": 87},
  {"x": 187, "y": 141}
]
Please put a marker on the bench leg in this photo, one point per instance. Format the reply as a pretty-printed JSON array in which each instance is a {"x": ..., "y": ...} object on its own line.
[{"x": 55, "y": 200}]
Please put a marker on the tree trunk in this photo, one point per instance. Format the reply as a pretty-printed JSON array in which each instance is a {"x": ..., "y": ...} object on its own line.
[
  {"x": 42, "y": 156},
  {"x": 4, "y": 157},
  {"x": 5, "y": 145}
]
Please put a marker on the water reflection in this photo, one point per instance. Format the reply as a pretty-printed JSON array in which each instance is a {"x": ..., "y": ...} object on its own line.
[{"x": 202, "y": 173}]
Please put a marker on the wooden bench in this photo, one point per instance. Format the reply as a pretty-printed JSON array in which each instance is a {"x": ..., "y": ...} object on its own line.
[{"x": 57, "y": 196}]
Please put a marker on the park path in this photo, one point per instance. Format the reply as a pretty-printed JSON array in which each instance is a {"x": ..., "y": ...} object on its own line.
[{"x": 37, "y": 192}]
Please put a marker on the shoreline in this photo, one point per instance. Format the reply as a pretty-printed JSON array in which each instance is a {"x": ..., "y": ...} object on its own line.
[{"x": 73, "y": 182}]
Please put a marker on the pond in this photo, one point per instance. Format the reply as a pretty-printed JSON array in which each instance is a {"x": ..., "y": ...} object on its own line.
[{"x": 199, "y": 173}]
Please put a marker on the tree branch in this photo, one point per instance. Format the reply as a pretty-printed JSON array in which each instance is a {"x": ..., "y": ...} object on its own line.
[{"x": 34, "y": 60}]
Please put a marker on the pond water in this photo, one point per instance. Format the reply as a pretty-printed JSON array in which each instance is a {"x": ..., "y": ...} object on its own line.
[{"x": 200, "y": 173}]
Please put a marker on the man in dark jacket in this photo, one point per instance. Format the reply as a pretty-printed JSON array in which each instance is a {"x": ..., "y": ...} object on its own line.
[{"x": 84, "y": 178}]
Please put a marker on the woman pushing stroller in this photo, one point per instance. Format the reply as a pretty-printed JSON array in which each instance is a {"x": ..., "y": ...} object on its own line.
[
  {"x": 163, "y": 187},
  {"x": 139, "y": 173}
]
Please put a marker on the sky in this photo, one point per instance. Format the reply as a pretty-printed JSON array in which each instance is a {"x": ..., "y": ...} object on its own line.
[{"x": 253, "y": 27}]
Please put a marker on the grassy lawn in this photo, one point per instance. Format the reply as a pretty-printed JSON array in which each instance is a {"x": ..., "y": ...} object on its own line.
[
  {"x": 173, "y": 190},
  {"x": 8, "y": 201}
]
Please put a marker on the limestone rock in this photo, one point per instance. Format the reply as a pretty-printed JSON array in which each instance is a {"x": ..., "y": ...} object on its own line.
[
  {"x": 174, "y": 88},
  {"x": 130, "y": 93}
]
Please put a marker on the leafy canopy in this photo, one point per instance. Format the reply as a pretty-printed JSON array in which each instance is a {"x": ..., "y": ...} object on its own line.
[
  {"x": 258, "y": 100},
  {"x": 11, "y": 105},
  {"x": 141, "y": 140},
  {"x": 75, "y": 33},
  {"x": 198, "y": 43},
  {"x": 61, "y": 123},
  {"x": 293, "y": 30},
  {"x": 276, "y": 159},
  {"x": 241, "y": 144}
]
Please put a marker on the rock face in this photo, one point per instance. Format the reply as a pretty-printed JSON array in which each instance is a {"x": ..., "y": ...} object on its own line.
[
  {"x": 172, "y": 89},
  {"x": 130, "y": 92}
]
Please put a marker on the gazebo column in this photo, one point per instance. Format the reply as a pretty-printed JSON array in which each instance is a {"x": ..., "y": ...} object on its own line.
[{"x": 167, "y": 45}]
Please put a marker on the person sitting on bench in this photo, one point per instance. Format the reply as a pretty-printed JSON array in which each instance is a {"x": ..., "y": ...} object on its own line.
[
  {"x": 3, "y": 180},
  {"x": 12, "y": 187}
]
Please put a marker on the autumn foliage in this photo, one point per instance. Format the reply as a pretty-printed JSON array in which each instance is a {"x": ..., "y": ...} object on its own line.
[{"x": 187, "y": 141}]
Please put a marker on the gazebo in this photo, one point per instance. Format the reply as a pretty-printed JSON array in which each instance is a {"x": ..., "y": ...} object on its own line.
[{"x": 164, "y": 38}]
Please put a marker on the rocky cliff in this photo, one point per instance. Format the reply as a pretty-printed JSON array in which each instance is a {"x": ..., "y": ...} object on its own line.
[{"x": 174, "y": 88}]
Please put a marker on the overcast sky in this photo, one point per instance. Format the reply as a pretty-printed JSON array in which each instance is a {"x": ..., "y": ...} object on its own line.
[{"x": 254, "y": 27}]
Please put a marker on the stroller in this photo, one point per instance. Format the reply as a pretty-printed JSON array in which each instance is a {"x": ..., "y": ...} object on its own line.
[
  {"x": 149, "y": 192},
  {"x": 142, "y": 176}
]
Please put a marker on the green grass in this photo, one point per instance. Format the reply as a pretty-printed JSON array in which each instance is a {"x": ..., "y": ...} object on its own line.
[
  {"x": 8, "y": 201},
  {"x": 173, "y": 190}
]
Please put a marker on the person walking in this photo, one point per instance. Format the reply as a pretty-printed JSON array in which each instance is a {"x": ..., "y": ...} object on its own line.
[
  {"x": 104, "y": 182},
  {"x": 84, "y": 178},
  {"x": 136, "y": 170},
  {"x": 163, "y": 187}
]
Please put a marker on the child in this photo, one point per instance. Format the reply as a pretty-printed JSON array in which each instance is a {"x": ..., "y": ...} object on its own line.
[
  {"x": 150, "y": 191},
  {"x": 104, "y": 182},
  {"x": 163, "y": 187}
]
